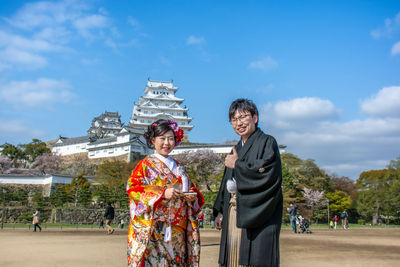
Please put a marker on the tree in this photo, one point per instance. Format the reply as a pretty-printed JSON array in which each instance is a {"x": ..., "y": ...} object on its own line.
[
  {"x": 394, "y": 164},
  {"x": 5, "y": 164},
  {"x": 61, "y": 195},
  {"x": 34, "y": 149},
  {"x": 372, "y": 186},
  {"x": 313, "y": 199},
  {"x": 339, "y": 201},
  {"x": 204, "y": 167},
  {"x": 47, "y": 163},
  {"x": 14, "y": 153},
  {"x": 80, "y": 190},
  {"x": 113, "y": 176},
  {"x": 345, "y": 184}
]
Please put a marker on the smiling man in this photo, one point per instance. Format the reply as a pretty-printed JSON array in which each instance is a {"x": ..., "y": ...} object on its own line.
[{"x": 249, "y": 203}]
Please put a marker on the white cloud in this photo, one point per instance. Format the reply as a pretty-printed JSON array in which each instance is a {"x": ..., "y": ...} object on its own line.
[
  {"x": 396, "y": 49},
  {"x": 86, "y": 24},
  {"x": 10, "y": 129},
  {"x": 45, "y": 13},
  {"x": 391, "y": 26},
  {"x": 47, "y": 26},
  {"x": 42, "y": 93},
  {"x": 310, "y": 129},
  {"x": 194, "y": 40},
  {"x": 133, "y": 22},
  {"x": 19, "y": 42},
  {"x": 266, "y": 63},
  {"x": 22, "y": 59},
  {"x": 306, "y": 108},
  {"x": 385, "y": 103}
]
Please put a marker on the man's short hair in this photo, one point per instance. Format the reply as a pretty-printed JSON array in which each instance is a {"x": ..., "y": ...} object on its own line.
[
  {"x": 243, "y": 105},
  {"x": 109, "y": 203},
  {"x": 291, "y": 203}
]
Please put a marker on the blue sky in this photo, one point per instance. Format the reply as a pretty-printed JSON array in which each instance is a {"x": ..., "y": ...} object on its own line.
[{"x": 324, "y": 74}]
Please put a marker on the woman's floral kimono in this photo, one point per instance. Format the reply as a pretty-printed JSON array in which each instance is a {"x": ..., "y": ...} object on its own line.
[{"x": 152, "y": 215}]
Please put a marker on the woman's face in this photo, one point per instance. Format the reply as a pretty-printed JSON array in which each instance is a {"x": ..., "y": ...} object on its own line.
[{"x": 164, "y": 144}]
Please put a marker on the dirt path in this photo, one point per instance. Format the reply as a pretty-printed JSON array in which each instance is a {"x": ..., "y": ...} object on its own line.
[{"x": 354, "y": 247}]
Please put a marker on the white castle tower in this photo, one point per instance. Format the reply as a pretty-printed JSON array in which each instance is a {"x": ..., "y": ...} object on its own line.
[{"x": 159, "y": 102}]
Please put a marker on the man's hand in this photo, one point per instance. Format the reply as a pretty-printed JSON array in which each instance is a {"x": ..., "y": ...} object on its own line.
[
  {"x": 231, "y": 159},
  {"x": 218, "y": 221}
]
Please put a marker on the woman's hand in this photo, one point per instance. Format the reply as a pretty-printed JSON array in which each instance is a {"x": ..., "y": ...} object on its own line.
[
  {"x": 172, "y": 193},
  {"x": 190, "y": 198}
]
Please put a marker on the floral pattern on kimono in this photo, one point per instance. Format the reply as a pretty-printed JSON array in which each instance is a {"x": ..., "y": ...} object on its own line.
[{"x": 151, "y": 215}]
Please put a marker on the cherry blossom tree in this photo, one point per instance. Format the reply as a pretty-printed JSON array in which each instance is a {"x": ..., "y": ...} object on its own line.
[
  {"x": 203, "y": 166},
  {"x": 313, "y": 199},
  {"x": 5, "y": 164},
  {"x": 47, "y": 163}
]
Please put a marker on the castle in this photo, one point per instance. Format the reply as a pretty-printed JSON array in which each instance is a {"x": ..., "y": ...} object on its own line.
[{"x": 109, "y": 137}]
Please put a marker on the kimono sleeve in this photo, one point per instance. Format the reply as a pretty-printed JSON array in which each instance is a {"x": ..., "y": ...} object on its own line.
[
  {"x": 258, "y": 178},
  {"x": 143, "y": 189}
]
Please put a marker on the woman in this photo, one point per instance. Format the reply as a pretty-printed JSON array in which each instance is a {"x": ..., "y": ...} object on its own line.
[
  {"x": 163, "y": 229},
  {"x": 35, "y": 221}
]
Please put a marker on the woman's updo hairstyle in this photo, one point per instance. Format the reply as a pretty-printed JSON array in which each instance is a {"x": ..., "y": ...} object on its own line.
[{"x": 155, "y": 129}]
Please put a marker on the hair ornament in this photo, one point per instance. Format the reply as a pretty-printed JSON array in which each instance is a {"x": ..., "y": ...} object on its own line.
[
  {"x": 154, "y": 124},
  {"x": 177, "y": 132}
]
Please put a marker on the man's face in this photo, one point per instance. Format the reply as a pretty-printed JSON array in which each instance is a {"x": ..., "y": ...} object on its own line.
[{"x": 243, "y": 123}]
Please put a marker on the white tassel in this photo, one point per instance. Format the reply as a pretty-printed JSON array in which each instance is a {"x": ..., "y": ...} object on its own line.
[{"x": 168, "y": 234}]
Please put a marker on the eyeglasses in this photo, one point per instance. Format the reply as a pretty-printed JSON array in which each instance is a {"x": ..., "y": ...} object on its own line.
[{"x": 241, "y": 118}]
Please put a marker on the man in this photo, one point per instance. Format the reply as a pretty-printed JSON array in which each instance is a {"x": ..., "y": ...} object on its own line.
[
  {"x": 292, "y": 215},
  {"x": 344, "y": 216},
  {"x": 249, "y": 202},
  {"x": 109, "y": 216}
]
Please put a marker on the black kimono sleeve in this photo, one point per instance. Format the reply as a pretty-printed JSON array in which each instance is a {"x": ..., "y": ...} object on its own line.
[{"x": 258, "y": 175}]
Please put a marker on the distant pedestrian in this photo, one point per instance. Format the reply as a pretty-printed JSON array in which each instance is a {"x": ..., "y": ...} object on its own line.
[
  {"x": 335, "y": 220},
  {"x": 36, "y": 221},
  {"x": 109, "y": 216},
  {"x": 122, "y": 223},
  {"x": 344, "y": 216},
  {"x": 200, "y": 218},
  {"x": 292, "y": 215},
  {"x": 101, "y": 225}
]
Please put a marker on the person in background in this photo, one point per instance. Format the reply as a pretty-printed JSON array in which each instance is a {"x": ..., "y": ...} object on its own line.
[
  {"x": 101, "y": 225},
  {"x": 292, "y": 215},
  {"x": 122, "y": 223},
  {"x": 335, "y": 221},
  {"x": 109, "y": 216},
  {"x": 36, "y": 221},
  {"x": 344, "y": 216},
  {"x": 200, "y": 218}
]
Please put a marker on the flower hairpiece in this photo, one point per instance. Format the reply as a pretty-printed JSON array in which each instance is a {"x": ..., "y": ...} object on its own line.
[{"x": 177, "y": 132}]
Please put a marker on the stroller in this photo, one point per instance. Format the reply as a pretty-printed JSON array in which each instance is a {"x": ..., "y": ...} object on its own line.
[{"x": 303, "y": 225}]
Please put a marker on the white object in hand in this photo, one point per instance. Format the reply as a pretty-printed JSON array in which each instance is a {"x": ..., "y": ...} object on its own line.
[
  {"x": 185, "y": 181},
  {"x": 168, "y": 234},
  {"x": 231, "y": 186}
]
